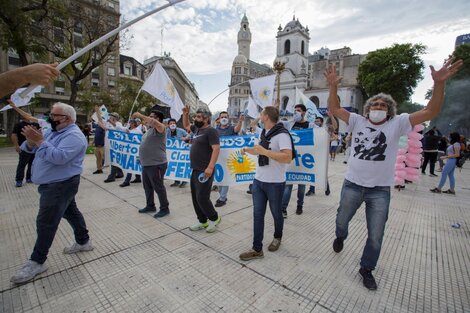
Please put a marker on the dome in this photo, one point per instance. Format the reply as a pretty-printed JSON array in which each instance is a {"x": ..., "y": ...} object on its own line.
[
  {"x": 240, "y": 59},
  {"x": 293, "y": 24},
  {"x": 244, "y": 19}
]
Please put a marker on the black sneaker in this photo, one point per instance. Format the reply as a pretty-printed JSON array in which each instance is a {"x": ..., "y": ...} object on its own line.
[
  {"x": 124, "y": 184},
  {"x": 183, "y": 184},
  {"x": 310, "y": 193},
  {"x": 146, "y": 209},
  {"x": 327, "y": 192},
  {"x": 162, "y": 213},
  {"x": 136, "y": 181},
  {"x": 175, "y": 184},
  {"x": 109, "y": 180},
  {"x": 299, "y": 210},
  {"x": 338, "y": 245},
  {"x": 98, "y": 172},
  {"x": 249, "y": 192},
  {"x": 120, "y": 176},
  {"x": 368, "y": 279},
  {"x": 220, "y": 203}
]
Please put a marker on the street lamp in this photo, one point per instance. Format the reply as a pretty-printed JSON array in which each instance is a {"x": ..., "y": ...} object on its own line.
[{"x": 279, "y": 65}]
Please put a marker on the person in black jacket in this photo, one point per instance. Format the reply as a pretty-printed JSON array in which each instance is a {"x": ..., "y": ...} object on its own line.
[{"x": 430, "y": 148}]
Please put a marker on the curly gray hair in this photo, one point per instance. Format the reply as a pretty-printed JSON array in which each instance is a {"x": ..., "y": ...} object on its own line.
[
  {"x": 391, "y": 104},
  {"x": 67, "y": 110}
]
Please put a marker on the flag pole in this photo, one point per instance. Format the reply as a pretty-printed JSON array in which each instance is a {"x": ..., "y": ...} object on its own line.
[
  {"x": 100, "y": 40},
  {"x": 133, "y": 105}
]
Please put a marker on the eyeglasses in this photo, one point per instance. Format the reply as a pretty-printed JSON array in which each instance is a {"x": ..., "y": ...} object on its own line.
[{"x": 52, "y": 115}]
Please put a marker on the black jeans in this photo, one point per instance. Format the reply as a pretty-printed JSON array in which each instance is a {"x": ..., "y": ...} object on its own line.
[
  {"x": 57, "y": 200},
  {"x": 430, "y": 157},
  {"x": 200, "y": 193},
  {"x": 129, "y": 176},
  {"x": 116, "y": 172},
  {"x": 25, "y": 159},
  {"x": 152, "y": 179}
]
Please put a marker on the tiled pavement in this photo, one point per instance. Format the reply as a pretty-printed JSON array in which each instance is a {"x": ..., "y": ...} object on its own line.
[{"x": 144, "y": 265}]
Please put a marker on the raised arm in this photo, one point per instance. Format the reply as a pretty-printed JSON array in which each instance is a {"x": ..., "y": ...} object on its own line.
[
  {"x": 333, "y": 101},
  {"x": 186, "y": 123},
  {"x": 36, "y": 74},
  {"x": 238, "y": 127},
  {"x": 159, "y": 126},
  {"x": 437, "y": 99},
  {"x": 25, "y": 115},
  {"x": 100, "y": 122}
]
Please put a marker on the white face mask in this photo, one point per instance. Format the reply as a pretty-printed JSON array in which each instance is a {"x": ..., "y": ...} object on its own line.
[
  {"x": 173, "y": 126},
  {"x": 297, "y": 117},
  {"x": 223, "y": 121},
  {"x": 377, "y": 116}
]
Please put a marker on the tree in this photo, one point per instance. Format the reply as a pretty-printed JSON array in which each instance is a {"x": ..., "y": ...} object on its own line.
[
  {"x": 395, "y": 70},
  {"x": 455, "y": 115},
  {"x": 128, "y": 90},
  {"x": 409, "y": 107}
]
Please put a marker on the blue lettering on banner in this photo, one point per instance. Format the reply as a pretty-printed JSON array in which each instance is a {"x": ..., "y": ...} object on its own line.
[
  {"x": 306, "y": 159},
  {"x": 218, "y": 173},
  {"x": 244, "y": 177},
  {"x": 176, "y": 144},
  {"x": 125, "y": 161},
  {"x": 181, "y": 169},
  {"x": 291, "y": 176},
  {"x": 125, "y": 137},
  {"x": 237, "y": 141}
]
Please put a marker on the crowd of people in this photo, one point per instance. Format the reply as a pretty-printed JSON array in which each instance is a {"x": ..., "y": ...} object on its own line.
[{"x": 373, "y": 144}]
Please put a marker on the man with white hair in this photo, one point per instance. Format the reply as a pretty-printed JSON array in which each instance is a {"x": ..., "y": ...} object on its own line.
[
  {"x": 56, "y": 169},
  {"x": 371, "y": 166}
]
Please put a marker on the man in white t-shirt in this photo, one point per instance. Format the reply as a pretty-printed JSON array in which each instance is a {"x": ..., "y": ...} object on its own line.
[
  {"x": 371, "y": 165},
  {"x": 275, "y": 152}
]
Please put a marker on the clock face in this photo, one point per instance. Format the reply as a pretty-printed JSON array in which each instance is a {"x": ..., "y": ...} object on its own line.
[{"x": 167, "y": 62}]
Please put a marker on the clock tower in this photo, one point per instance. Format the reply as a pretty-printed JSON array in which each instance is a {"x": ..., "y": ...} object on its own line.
[{"x": 244, "y": 38}]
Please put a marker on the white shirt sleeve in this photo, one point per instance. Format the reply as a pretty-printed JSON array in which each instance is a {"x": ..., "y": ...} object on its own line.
[{"x": 284, "y": 141}]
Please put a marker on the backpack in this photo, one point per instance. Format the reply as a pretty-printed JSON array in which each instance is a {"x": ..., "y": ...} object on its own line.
[{"x": 460, "y": 159}]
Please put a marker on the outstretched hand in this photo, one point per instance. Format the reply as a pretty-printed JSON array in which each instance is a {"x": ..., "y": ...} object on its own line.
[
  {"x": 331, "y": 77},
  {"x": 448, "y": 70}
]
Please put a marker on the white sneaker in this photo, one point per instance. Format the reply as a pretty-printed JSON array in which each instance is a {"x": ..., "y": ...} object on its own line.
[
  {"x": 28, "y": 272},
  {"x": 212, "y": 225},
  {"x": 75, "y": 247},
  {"x": 198, "y": 226}
]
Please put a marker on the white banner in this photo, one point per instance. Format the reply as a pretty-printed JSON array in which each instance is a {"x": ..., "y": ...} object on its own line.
[
  {"x": 262, "y": 90},
  {"x": 252, "y": 109},
  {"x": 232, "y": 168},
  {"x": 159, "y": 85}
]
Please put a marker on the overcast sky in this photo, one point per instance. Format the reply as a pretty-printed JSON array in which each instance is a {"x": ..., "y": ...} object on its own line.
[{"x": 201, "y": 35}]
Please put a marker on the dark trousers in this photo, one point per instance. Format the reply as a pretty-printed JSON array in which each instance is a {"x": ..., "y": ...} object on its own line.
[
  {"x": 129, "y": 176},
  {"x": 262, "y": 194},
  {"x": 312, "y": 187},
  {"x": 200, "y": 194},
  {"x": 57, "y": 200},
  {"x": 116, "y": 172},
  {"x": 25, "y": 159},
  {"x": 152, "y": 179},
  {"x": 430, "y": 157}
]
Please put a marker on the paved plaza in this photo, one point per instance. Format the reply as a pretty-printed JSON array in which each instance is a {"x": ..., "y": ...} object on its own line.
[{"x": 141, "y": 264}]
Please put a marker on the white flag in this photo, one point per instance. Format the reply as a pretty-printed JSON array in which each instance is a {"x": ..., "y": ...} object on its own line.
[
  {"x": 104, "y": 114},
  {"x": 159, "y": 85},
  {"x": 21, "y": 101},
  {"x": 252, "y": 108},
  {"x": 312, "y": 111},
  {"x": 262, "y": 90}
]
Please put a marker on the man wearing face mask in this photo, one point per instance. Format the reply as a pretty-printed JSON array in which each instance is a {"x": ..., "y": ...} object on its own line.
[
  {"x": 175, "y": 132},
  {"x": 56, "y": 169},
  {"x": 224, "y": 129},
  {"x": 152, "y": 156},
  {"x": 205, "y": 149},
  {"x": 371, "y": 165},
  {"x": 298, "y": 123}
]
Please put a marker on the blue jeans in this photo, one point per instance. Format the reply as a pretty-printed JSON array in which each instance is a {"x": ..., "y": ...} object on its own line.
[
  {"x": 262, "y": 194},
  {"x": 448, "y": 170},
  {"x": 377, "y": 201},
  {"x": 223, "y": 191},
  {"x": 57, "y": 200},
  {"x": 287, "y": 194}
]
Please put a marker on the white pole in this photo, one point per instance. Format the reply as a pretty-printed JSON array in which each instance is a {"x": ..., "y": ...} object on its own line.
[
  {"x": 133, "y": 105},
  {"x": 100, "y": 40}
]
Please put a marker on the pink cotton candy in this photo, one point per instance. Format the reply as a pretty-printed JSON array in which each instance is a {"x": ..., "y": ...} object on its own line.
[
  {"x": 413, "y": 157},
  {"x": 401, "y": 151},
  {"x": 399, "y": 181},
  {"x": 414, "y": 143},
  {"x": 414, "y": 164},
  {"x": 400, "y": 166},
  {"x": 415, "y": 150},
  {"x": 415, "y": 136},
  {"x": 418, "y": 128},
  {"x": 411, "y": 171},
  {"x": 401, "y": 158}
]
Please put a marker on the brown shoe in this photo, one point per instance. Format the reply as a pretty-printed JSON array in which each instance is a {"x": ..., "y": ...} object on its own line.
[
  {"x": 274, "y": 246},
  {"x": 252, "y": 254}
]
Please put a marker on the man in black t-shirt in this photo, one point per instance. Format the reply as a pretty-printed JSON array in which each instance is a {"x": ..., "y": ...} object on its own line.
[
  {"x": 205, "y": 148},
  {"x": 25, "y": 159}
]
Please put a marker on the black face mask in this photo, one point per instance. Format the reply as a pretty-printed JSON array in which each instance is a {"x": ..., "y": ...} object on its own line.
[
  {"x": 54, "y": 124},
  {"x": 198, "y": 124}
]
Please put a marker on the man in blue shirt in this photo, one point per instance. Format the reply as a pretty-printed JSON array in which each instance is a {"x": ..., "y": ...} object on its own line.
[
  {"x": 173, "y": 131},
  {"x": 56, "y": 169}
]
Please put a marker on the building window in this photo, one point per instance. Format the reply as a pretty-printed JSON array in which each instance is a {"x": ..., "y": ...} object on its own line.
[
  {"x": 59, "y": 91},
  {"x": 127, "y": 70},
  {"x": 111, "y": 71},
  {"x": 111, "y": 59},
  {"x": 238, "y": 70},
  {"x": 111, "y": 83},
  {"x": 95, "y": 82},
  {"x": 111, "y": 4},
  {"x": 315, "y": 100},
  {"x": 285, "y": 101},
  {"x": 302, "y": 48},
  {"x": 245, "y": 71},
  {"x": 287, "y": 47}
]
